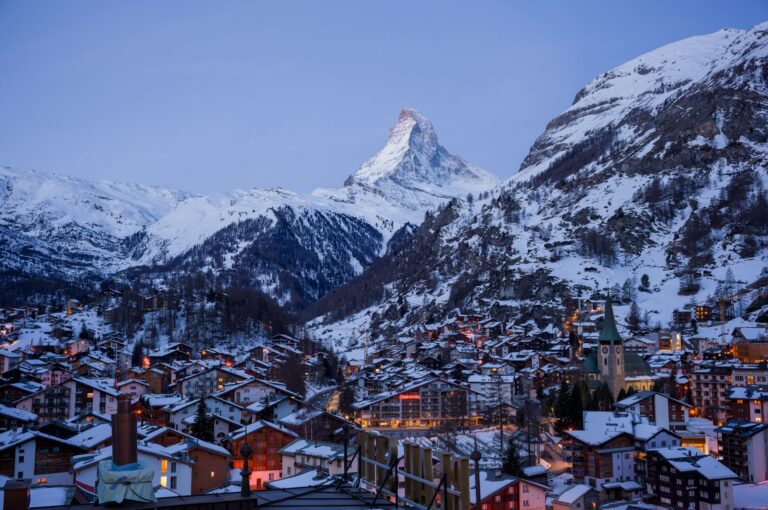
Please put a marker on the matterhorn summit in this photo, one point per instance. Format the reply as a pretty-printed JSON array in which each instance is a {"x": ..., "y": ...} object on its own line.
[
  {"x": 412, "y": 157},
  {"x": 411, "y": 174}
]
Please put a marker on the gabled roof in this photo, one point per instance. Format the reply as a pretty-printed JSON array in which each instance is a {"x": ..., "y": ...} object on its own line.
[
  {"x": 642, "y": 395},
  {"x": 258, "y": 425}
]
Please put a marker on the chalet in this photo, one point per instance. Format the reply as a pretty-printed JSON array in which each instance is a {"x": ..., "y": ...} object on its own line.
[
  {"x": 272, "y": 408},
  {"x": 13, "y": 418},
  {"x": 255, "y": 390},
  {"x": 133, "y": 387},
  {"x": 153, "y": 407},
  {"x": 748, "y": 403},
  {"x": 158, "y": 434},
  {"x": 659, "y": 409},
  {"x": 641, "y": 345},
  {"x": 684, "y": 477},
  {"x": 49, "y": 404},
  {"x": 576, "y": 497},
  {"x": 503, "y": 492},
  {"x": 266, "y": 439},
  {"x": 207, "y": 382},
  {"x": 703, "y": 313},
  {"x": 220, "y": 355},
  {"x": 302, "y": 454},
  {"x": 33, "y": 454},
  {"x": 170, "y": 353},
  {"x": 187, "y": 468},
  {"x": 97, "y": 394},
  {"x": 9, "y": 360},
  {"x": 153, "y": 302},
  {"x": 228, "y": 414},
  {"x": 682, "y": 318},
  {"x": 317, "y": 424}
]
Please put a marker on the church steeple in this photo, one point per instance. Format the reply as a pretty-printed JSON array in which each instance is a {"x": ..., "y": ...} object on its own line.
[
  {"x": 611, "y": 352},
  {"x": 609, "y": 334}
]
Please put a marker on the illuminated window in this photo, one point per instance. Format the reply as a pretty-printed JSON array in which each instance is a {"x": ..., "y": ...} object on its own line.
[
  {"x": 42, "y": 480},
  {"x": 213, "y": 473},
  {"x": 163, "y": 467},
  {"x": 164, "y": 480},
  {"x": 89, "y": 394}
]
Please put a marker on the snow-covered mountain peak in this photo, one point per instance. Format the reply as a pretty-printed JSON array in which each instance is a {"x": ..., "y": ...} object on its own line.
[
  {"x": 413, "y": 158},
  {"x": 413, "y": 134}
]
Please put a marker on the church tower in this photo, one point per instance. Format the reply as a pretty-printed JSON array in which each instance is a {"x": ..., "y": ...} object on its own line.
[{"x": 611, "y": 352}]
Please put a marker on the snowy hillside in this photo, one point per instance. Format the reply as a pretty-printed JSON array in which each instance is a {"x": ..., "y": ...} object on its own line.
[
  {"x": 658, "y": 168},
  {"x": 62, "y": 227}
]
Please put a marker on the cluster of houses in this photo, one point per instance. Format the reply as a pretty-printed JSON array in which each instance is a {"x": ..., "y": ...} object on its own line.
[{"x": 691, "y": 429}]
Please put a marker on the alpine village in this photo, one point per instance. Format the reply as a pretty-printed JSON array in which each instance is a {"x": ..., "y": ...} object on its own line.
[{"x": 591, "y": 333}]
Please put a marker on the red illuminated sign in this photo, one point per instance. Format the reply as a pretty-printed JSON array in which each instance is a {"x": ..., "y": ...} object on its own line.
[{"x": 410, "y": 397}]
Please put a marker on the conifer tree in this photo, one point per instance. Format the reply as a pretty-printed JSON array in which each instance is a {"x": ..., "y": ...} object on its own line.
[
  {"x": 562, "y": 409},
  {"x": 511, "y": 464},
  {"x": 576, "y": 407},
  {"x": 137, "y": 357},
  {"x": 203, "y": 426}
]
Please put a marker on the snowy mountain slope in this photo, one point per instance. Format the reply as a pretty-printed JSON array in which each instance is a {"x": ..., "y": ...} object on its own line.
[
  {"x": 646, "y": 83},
  {"x": 658, "y": 168},
  {"x": 92, "y": 229},
  {"x": 58, "y": 225}
]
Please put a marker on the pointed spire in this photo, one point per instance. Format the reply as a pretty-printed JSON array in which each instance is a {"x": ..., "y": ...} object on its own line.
[{"x": 609, "y": 333}]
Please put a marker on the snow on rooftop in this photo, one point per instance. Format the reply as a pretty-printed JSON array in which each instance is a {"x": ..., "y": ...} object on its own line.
[
  {"x": 488, "y": 485},
  {"x": 17, "y": 414},
  {"x": 571, "y": 495},
  {"x": 93, "y": 436},
  {"x": 328, "y": 451},
  {"x": 51, "y": 496},
  {"x": 306, "y": 478},
  {"x": 750, "y": 496}
]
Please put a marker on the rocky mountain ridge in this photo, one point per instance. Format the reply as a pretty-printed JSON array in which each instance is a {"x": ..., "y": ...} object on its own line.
[
  {"x": 295, "y": 247},
  {"x": 658, "y": 168}
]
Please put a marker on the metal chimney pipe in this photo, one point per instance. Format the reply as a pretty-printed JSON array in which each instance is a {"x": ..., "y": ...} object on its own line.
[{"x": 124, "y": 433}]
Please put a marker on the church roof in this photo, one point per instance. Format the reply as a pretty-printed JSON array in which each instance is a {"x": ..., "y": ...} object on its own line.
[{"x": 609, "y": 332}]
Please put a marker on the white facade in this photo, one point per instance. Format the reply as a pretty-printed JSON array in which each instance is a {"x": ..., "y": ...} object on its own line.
[
  {"x": 757, "y": 451},
  {"x": 170, "y": 473}
]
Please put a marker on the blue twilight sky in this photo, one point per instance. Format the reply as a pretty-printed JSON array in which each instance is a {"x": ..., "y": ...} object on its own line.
[{"x": 217, "y": 95}]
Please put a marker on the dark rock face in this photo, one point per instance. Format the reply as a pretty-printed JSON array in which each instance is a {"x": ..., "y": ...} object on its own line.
[{"x": 296, "y": 256}]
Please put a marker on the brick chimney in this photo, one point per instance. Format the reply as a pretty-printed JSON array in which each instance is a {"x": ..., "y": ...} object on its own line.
[
  {"x": 16, "y": 494},
  {"x": 124, "y": 433}
]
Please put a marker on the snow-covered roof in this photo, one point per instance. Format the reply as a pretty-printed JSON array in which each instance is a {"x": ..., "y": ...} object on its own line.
[
  {"x": 259, "y": 424},
  {"x": 750, "y": 496},
  {"x": 17, "y": 414},
  {"x": 319, "y": 449},
  {"x": 708, "y": 467},
  {"x": 160, "y": 400},
  {"x": 572, "y": 494},
  {"x": 92, "y": 436},
  {"x": 59, "y": 496},
  {"x": 306, "y": 478}
]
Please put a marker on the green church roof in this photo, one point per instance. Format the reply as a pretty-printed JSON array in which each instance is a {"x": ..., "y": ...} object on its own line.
[{"x": 609, "y": 332}]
